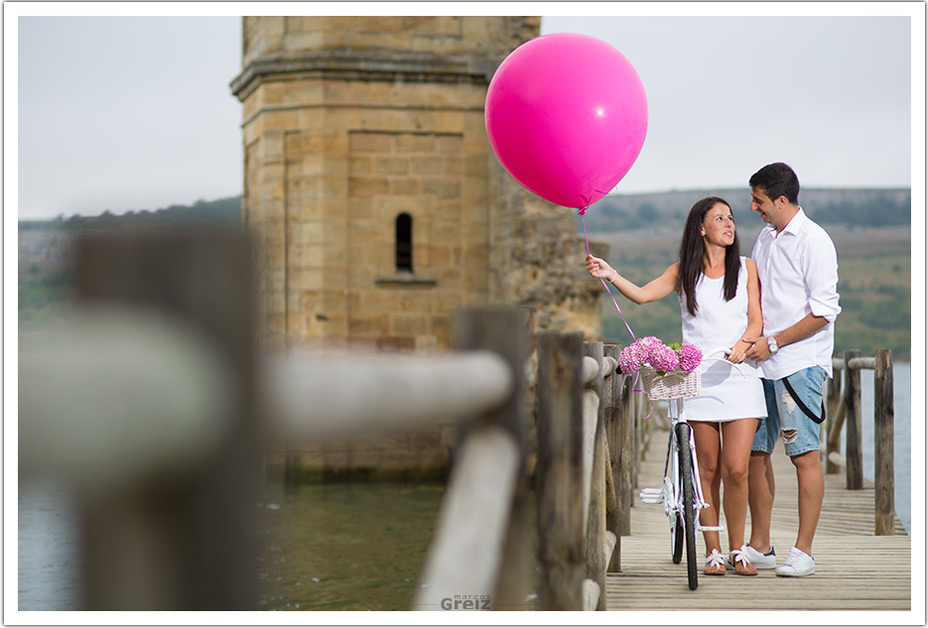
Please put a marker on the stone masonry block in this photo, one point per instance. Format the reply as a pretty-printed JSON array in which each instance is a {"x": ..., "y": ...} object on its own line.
[
  {"x": 442, "y": 188},
  {"x": 391, "y": 165},
  {"x": 362, "y": 208},
  {"x": 271, "y": 147},
  {"x": 308, "y": 280},
  {"x": 408, "y": 324},
  {"x": 334, "y": 188},
  {"x": 389, "y": 207},
  {"x": 476, "y": 165},
  {"x": 426, "y": 166},
  {"x": 310, "y": 233},
  {"x": 306, "y": 255},
  {"x": 366, "y": 187},
  {"x": 368, "y": 324},
  {"x": 360, "y": 165},
  {"x": 415, "y": 300},
  {"x": 444, "y": 235},
  {"x": 405, "y": 186},
  {"x": 283, "y": 120},
  {"x": 454, "y": 166},
  {"x": 376, "y": 300},
  {"x": 414, "y": 143},
  {"x": 370, "y": 142},
  {"x": 449, "y": 144}
]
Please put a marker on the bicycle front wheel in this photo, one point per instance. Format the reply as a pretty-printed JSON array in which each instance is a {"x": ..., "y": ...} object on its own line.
[{"x": 689, "y": 499}]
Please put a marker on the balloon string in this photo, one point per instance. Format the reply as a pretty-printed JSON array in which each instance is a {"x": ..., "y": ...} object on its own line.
[
  {"x": 601, "y": 280},
  {"x": 616, "y": 303},
  {"x": 635, "y": 383}
]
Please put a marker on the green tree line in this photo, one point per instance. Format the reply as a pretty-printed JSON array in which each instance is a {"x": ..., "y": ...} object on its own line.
[
  {"x": 872, "y": 208},
  {"x": 223, "y": 212},
  {"x": 875, "y": 299}
]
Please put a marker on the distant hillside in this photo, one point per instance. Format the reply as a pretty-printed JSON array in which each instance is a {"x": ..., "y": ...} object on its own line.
[
  {"x": 223, "y": 212},
  {"x": 862, "y": 208}
]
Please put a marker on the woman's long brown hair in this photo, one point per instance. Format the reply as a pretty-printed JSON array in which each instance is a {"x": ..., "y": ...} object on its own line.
[{"x": 693, "y": 249}]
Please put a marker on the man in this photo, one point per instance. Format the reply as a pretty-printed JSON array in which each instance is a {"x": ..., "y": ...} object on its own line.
[{"x": 798, "y": 269}]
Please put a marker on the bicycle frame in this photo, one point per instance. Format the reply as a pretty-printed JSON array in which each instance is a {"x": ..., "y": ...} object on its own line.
[
  {"x": 674, "y": 494},
  {"x": 673, "y": 490}
]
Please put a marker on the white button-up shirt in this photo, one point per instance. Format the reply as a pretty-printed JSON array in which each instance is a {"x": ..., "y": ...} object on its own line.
[{"x": 798, "y": 271}]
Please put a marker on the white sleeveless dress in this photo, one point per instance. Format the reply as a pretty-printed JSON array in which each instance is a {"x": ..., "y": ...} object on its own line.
[{"x": 728, "y": 391}]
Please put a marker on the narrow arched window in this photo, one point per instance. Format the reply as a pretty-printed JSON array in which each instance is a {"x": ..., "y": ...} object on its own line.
[{"x": 404, "y": 243}]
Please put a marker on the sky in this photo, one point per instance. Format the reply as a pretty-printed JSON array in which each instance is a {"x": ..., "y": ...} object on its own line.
[{"x": 135, "y": 112}]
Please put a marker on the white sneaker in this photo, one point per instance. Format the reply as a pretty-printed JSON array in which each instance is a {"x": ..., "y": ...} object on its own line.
[
  {"x": 761, "y": 561},
  {"x": 798, "y": 563}
]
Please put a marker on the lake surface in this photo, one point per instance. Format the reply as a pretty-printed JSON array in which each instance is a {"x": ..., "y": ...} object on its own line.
[
  {"x": 339, "y": 546},
  {"x": 345, "y": 546},
  {"x": 323, "y": 546}
]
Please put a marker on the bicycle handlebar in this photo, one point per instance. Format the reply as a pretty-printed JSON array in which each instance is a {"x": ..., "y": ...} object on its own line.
[
  {"x": 710, "y": 355},
  {"x": 722, "y": 350}
]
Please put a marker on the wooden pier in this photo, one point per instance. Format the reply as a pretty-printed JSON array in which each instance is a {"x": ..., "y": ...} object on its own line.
[{"x": 854, "y": 569}]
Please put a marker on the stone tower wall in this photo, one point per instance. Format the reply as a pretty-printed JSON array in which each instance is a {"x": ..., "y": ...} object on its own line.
[{"x": 350, "y": 122}]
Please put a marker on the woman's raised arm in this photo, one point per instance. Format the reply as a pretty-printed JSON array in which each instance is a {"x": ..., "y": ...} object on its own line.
[{"x": 654, "y": 290}]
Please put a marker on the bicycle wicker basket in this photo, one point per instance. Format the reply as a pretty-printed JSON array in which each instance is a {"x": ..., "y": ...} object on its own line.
[{"x": 674, "y": 385}]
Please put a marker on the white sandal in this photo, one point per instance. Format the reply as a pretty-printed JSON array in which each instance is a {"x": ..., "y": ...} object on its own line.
[
  {"x": 741, "y": 555},
  {"x": 714, "y": 561}
]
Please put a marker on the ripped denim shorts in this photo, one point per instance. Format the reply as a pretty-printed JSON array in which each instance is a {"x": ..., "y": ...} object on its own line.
[{"x": 800, "y": 433}]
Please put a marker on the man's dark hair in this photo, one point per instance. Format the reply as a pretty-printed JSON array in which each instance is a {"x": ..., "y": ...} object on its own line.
[{"x": 777, "y": 180}]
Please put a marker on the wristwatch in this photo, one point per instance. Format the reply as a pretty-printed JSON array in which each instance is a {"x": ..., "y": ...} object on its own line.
[{"x": 772, "y": 345}]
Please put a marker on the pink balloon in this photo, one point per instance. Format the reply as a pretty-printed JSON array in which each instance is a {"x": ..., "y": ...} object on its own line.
[{"x": 566, "y": 115}]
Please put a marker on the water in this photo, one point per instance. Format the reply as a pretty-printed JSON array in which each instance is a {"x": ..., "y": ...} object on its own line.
[
  {"x": 324, "y": 547},
  {"x": 345, "y": 546},
  {"x": 48, "y": 552}
]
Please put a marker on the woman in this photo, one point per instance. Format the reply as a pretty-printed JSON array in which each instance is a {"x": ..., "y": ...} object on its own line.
[{"x": 720, "y": 304}]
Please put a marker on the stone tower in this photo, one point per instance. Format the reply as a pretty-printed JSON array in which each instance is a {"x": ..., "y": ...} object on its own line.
[{"x": 371, "y": 184}]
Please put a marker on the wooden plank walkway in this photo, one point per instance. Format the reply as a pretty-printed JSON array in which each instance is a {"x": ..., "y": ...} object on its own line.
[{"x": 854, "y": 570}]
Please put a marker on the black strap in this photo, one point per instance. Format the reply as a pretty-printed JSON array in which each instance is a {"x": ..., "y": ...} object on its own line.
[{"x": 802, "y": 406}]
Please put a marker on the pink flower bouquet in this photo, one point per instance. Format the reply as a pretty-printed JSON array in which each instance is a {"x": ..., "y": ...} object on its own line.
[{"x": 663, "y": 359}]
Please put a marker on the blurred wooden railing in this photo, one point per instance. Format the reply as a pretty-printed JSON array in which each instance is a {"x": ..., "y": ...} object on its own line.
[
  {"x": 588, "y": 418},
  {"x": 844, "y": 409},
  {"x": 155, "y": 405}
]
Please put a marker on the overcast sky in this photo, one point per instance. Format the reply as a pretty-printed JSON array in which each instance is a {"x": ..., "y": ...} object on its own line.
[{"x": 128, "y": 113}]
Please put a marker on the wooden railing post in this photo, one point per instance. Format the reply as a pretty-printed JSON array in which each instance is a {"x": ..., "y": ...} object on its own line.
[
  {"x": 185, "y": 540},
  {"x": 833, "y": 402},
  {"x": 883, "y": 414},
  {"x": 560, "y": 515},
  {"x": 637, "y": 424},
  {"x": 596, "y": 514},
  {"x": 505, "y": 331},
  {"x": 615, "y": 416},
  {"x": 627, "y": 463},
  {"x": 854, "y": 463}
]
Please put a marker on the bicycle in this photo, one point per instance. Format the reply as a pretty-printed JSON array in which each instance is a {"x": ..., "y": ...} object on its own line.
[{"x": 681, "y": 492}]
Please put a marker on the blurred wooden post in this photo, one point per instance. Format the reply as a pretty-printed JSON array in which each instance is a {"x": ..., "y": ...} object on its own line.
[
  {"x": 883, "y": 413},
  {"x": 186, "y": 540},
  {"x": 614, "y": 418},
  {"x": 853, "y": 457},
  {"x": 596, "y": 517},
  {"x": 560, "y": 425},
  {"x": 636, "y": 425},
  {"x": 627, "y": 465},
  {"x": 505, "y": 331},
  {"x": 833, "y": 403}
]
